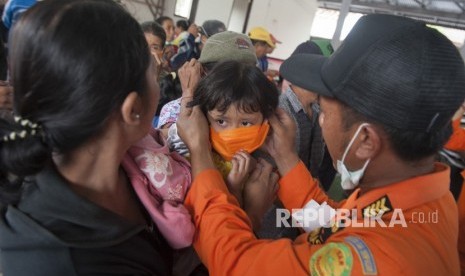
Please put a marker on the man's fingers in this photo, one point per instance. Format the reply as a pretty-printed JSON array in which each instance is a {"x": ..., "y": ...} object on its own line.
[
  {"x": 256, "y": 172},
  {"x": 285, "y": 119},
  {"x": 274, "y": 177},
  {"x": 267, "y": 168},
  {"x": 185, "y": 110}
]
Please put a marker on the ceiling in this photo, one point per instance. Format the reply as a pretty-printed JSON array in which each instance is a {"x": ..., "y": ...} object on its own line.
[{"x": 448, "y": 13}]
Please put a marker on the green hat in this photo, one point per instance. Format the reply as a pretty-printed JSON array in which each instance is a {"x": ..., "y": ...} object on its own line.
[{"x": 228, "y": 45}]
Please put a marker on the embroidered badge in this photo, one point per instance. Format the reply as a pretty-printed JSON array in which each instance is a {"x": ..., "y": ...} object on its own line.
[
  {"x": 364, "y": 254},
  {"x": 379, "y": 207},
  {"x": 242, "y": 43},
  {"x": 332, "y": 259},
  {"x": 321, "y": 234}
]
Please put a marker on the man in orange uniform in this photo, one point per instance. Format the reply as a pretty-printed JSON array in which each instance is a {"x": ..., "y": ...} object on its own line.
[
  {"x": 456, "y": 143},
  {"x": 387, "y": 96}
]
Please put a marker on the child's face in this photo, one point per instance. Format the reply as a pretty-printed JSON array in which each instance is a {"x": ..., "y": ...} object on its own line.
[{"x": 233, "y": 118}]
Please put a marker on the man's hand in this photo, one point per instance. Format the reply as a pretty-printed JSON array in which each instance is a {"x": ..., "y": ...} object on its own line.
[
  {"x": 189, "y": 76},
  {"x": 259, "y": 192},
  {"x": 280, "y": 144},
  {"x": 191, "y": 124}
]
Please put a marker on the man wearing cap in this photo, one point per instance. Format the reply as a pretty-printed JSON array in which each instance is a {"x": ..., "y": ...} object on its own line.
[
  {"x": 387, "y": 96},
  {"x": 302, "y": 106},
  {"x": 209, "y": 28},
  {"x": 264, "y": 43}
]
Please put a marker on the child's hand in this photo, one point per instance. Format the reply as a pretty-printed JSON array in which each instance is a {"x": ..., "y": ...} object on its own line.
[
  {"x": 260, "y": 192},
  {"x": 242, "y": 165}
]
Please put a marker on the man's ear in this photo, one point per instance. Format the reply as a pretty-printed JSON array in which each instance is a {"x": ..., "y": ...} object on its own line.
[
  {"x": 370, "y": 144},
  {"x": 131, "y": 109}
]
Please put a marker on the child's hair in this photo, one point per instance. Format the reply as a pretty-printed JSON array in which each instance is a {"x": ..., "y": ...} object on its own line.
[
  {"x": 183, "y": 24},
  {"x": 232, "y": 82},
  {"x": 151, "y": 27}
]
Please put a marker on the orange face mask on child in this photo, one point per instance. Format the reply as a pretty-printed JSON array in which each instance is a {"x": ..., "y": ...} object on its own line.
[{"x": 226, "y": 143}]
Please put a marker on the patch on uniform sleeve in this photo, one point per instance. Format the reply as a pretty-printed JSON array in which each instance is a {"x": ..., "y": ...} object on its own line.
[
  {"x": 366, "y": 258},
  {"x": 379, "y": 207},
  {"x": 332, "y": 259}
]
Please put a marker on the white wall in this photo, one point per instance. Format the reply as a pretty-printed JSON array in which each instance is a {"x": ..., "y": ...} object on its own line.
[
  {"x": 213, "y": 9},
  {"x": 169, "y": 10},
  {"x": 206, "y": 9},
  {"x": 289, "y": 21},
  {"x": 238, "y": 15},
  {"x": 139, "y": 10}
]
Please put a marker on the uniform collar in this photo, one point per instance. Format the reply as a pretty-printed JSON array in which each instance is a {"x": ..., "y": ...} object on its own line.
[{"x": 407, "y": 193}]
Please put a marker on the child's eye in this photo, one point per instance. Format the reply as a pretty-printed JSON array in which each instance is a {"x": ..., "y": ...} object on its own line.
[
  {"x": 245, "y": 123},
  {"x": 220, "y": 122}
]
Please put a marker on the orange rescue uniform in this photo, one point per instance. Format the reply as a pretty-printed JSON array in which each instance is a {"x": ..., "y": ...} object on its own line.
[
  {"x": 457, "y": 143},
  {"x": 461, "y": 243},
  {"x": 424, "y": 245},
  {"x": 457, "y": 139}
]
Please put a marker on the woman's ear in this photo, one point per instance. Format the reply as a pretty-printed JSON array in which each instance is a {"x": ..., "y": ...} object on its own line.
[
  {"x": 131, "y": 109},
  {"x": 370, "y": 144}
]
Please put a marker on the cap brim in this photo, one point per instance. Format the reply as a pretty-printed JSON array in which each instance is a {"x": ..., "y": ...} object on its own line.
[{"x": 304, "y": 70}]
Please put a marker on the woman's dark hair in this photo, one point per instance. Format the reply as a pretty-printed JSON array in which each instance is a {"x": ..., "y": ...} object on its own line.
[
  {"x": 73, "y": 62},
  {"x": 183, "y": 24},
  {"x": 162, "y": 19},
  {"x": 232, "y": 82},
  {"x": 408, "y": 145},
  {"x": 155, "y": 29}
]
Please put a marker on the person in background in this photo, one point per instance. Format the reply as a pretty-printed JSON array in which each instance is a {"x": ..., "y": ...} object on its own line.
[
  {"x": 387, "y": 96},
  {"x": 85, "y": 92},
  {"x": 453, "y": 154},
  {"x": 186, "y": 47},
  {"x": 180, "y": 31},
  {"x": 264, "y": 43},
  {"x": 302, "y": 105},
  {"x": 168, "y": 25},
  {"x": 208, "y": 29},
  {"x": 11, "y": 11},
  {"x": 156, "y": 38}
]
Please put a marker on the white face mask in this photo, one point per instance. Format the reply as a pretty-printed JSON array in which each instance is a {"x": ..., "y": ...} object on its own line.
[{"x": 350, "y": 180}]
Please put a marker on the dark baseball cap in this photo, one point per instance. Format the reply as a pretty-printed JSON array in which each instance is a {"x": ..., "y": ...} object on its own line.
[
  {"x": 307, "y": 47},
  {"x": 394, "y": 70},
  {"x": 211, "y": 27}
]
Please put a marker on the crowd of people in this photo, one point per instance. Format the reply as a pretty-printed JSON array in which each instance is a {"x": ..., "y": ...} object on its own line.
[{"x": 167, "y": 148}]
